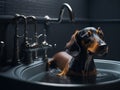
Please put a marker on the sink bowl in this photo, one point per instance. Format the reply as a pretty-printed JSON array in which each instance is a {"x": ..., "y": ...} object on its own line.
[
  {"x": 108, "y": 72},
  {"x": 108, "y": 76}
]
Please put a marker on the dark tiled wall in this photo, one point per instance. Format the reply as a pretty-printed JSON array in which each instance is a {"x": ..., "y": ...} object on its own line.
[
  {"x": 104, "y": 9},
  {"x": 43, "y": 7},
  {"x": 57, "y": 33},
  {"x": 2, "y": 7},
  {"x": 92, "y": 9},
  {"x": 108, "y": 11}
]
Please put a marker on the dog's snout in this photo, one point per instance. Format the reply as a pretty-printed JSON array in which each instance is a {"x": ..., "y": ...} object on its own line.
[
  {"x": 101, "y": 42},
  {"x": 103, "y": 47},
  {"x": 102, "y": 50},
  {"x": 98, "y": 46}
]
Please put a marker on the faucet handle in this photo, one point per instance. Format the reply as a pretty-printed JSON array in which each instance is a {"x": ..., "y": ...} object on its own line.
[
  {"x": 40, "y": 35},
  {"x": 2, "y": 43},
  {"x": 47, "y": 45}
]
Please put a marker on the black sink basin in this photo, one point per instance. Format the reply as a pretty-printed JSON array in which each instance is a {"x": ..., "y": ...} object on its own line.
[{"x": 108, "y": 76}]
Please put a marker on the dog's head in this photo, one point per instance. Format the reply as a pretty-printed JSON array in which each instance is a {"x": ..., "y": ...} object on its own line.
[{"x": 92, "y": 40}]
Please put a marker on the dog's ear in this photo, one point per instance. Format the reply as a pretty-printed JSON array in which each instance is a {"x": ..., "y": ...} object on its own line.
[
  {"x": 76, "y": 32},
  {"x": 71, "y": 41},
  {"x": 100, "y": 32},
  {"x": 77, "y": 36}
]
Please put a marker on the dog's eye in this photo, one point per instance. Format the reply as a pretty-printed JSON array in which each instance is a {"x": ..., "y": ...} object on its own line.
[
  {"x": 88, "y": 37},
  {"x": 85, "y": 34},
  {"x": 89, "y": 33}
]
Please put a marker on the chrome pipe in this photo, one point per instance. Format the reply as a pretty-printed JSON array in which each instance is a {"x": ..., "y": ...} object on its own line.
[
  {"x": 45, "y": 45},
  {"x": 62, "y": 10},
  {"x": 16, "y": 57},
  {"x": 33, "y": 18},
  {"x": 29, "y": 48}
]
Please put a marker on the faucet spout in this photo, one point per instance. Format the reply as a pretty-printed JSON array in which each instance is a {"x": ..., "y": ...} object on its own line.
[{"x": 62, "y": 9}]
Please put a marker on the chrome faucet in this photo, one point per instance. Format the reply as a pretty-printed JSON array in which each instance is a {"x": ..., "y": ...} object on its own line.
[
  {"x": 35, "y": 44},
  {"x": 16, "y": 56},
  {"x": 62, "y": 9},
  {"x": 45, "y": 45},
  {"x": 29, "y": 48}
]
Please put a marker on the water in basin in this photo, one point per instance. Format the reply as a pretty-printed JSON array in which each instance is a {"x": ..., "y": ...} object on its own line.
[
  {"x": 103, "y": 76},
  {"x": 108, "y": 71}
]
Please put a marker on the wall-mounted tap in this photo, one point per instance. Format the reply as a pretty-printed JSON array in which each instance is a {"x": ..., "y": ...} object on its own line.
[
  {"x": 62, "y": 10},
  {"x": 46, "y": 26},
  {"x": 29, "y": 48},
  {"x": 35, "y": 44},
  {"x": 18, "y": 18},
  {"x": 45, "y": 45},
  {"x": 33, "y": 20}
]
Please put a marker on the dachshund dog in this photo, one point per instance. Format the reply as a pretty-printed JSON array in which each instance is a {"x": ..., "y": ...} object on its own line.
[{"x": 77, "y": 59}]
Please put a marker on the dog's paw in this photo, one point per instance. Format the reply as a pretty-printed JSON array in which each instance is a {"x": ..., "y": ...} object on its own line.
[{"x": 61, "y": 74}]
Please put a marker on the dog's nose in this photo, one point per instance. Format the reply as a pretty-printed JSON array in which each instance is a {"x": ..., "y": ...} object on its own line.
[
  {"x": 101, "y": 42},
  {"x": 103, "y": 47}
]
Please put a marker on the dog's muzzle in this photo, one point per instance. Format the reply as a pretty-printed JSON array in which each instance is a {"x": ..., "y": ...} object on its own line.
[{"x": 99, "y": 47}]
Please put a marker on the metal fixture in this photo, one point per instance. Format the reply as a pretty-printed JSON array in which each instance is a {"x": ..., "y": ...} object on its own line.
[
  {"x": 45, "y": 45},
  {"x": 29, "y": 48},
  {"x": 35, "y": 44},
  {"x": 48, "y": 20},
  {"x": 60, "y": 16},
  {"x": 18, "y": 18},
  {"x": 62, "y": 9}
]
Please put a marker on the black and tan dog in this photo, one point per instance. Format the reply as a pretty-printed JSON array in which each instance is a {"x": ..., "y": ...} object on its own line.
[{"x": 77, "y": 59}]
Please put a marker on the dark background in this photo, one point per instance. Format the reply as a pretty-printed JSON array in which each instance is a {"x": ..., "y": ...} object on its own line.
[{"x": 96, "y": 13}]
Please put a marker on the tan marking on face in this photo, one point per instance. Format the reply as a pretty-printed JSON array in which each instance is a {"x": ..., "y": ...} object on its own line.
[{"x": 93, "y": 47}]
